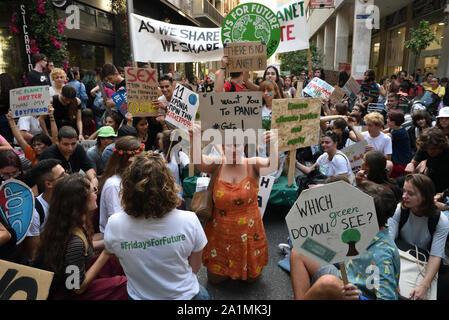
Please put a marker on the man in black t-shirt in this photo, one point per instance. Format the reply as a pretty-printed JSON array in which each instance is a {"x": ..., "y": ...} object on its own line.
[
  {"x": 72, "y": 155},
  {"x": 37, "y": 76}
]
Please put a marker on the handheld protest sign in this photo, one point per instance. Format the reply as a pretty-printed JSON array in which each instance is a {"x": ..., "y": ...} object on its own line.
[
  {"x": 230, "y": 111},
  {"x": 265, "y": 185},
  {"x": 141, "y": 90},
  {"x": 352, "y": 87},
  {"x": 355, "y": 155},
  {"x": 297, "y": 121},
  {"x": 332, "y": 223},
  {"x": 337, "y": 95},
  {"x": 20, "y": 282},
  {"x": 318, "y": 88},
  {"x": 181, "y": 111},
  {"x": 252, "y": 22},
  {"x": 121, "y": 101},
  {"x": 16, "y": 206},
  {"x": 246, "y": 56},
  {"x": 29, "y": 101}
]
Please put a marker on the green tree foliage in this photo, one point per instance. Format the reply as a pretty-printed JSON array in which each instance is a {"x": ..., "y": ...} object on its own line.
[
  {"x": 43, "y": 27},
  {"x": 120, "y": 10},
  {"x": 297, "y": 61},
  {"x": 420, "y": 38}
]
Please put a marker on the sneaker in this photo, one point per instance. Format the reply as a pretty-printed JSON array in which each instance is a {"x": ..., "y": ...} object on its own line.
[{"x": 284, "y": 247}]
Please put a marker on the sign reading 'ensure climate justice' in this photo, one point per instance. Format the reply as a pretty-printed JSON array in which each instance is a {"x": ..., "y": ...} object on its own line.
[
  {"x": 297, "y": 121},
  {"x": 29, "y": 101},
  {"x": 332, "y": 223}
]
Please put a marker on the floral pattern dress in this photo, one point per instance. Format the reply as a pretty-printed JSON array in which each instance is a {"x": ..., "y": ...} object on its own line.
[{"x": 237, "y": 245}]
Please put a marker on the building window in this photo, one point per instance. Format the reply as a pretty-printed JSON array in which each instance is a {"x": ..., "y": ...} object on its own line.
[
  {"x": 11, "y": 61},
  {"x": 395, "y": 50},
  {"x": 105, "y": 21},
  {"x": 87, "y": 15}
]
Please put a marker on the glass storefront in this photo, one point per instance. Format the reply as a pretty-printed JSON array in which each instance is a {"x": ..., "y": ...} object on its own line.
[
  {"x": 88, "y": 56},
  {"x": 395, "y": 50},
  {"x": 430, "y": 57}
]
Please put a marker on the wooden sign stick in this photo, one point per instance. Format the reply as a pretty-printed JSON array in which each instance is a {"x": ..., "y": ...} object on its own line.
[
  {"x": 291, "y": 167},
  {"x": 343, "y": 273},
  {"x": 191, "y": 165}
]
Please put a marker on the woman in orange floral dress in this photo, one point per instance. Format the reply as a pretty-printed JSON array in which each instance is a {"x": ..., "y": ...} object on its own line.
[{"x": 237, "y": 245}]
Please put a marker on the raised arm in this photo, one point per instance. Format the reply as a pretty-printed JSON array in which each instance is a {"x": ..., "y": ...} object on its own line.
[{"x": 15, "y": 131}]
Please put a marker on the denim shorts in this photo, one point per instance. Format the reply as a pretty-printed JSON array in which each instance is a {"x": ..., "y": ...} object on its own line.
[{"x": 202, "y": 294}]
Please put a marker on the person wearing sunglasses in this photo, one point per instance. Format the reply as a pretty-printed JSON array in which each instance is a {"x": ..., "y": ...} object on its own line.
[
  {"x": 10, "y": 166},
  {"x": 37, "y": 76}
]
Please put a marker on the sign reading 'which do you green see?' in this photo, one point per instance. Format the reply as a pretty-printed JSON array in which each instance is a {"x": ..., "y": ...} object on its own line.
[
  {"x": 332, "y": 223},
  {"x": 252, "y": 22}
]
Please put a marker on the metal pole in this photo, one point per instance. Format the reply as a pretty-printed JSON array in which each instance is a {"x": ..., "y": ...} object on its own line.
[{"x": 130, "y": 7}]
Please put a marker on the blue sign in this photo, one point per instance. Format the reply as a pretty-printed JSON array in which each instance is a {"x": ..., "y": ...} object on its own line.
[
  {"x": 121, "y": 101},
  {"x": 17, "y": 206}
]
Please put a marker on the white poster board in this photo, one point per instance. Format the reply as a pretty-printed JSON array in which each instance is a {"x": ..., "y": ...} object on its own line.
[
  {"x": 183, "y": 107},
  {"x": 332, "y": 223},
  {"x": 265, "y": 185},
  {"x": 355, "y": 154},
  {"x": 318, "y": 88},
  {"x": 29, "y": 101}
]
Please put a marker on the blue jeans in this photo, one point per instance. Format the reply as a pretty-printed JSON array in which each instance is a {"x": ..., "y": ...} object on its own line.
[{"x": 202, "y": 295}]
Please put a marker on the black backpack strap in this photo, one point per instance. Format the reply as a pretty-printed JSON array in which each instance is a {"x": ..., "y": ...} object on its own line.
[
  {"x": 233, "y": 89},
  {"x": 404, "y": 217},
  {"x": 40, "y": 209},
  {"x": 432, "y": 226}
]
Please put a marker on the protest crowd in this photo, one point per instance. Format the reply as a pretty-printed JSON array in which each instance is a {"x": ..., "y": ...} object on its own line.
[{"x": 109, "y": 199}]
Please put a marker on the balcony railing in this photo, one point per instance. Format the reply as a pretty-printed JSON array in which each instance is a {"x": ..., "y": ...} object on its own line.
[{"x": 203, "y": 9}]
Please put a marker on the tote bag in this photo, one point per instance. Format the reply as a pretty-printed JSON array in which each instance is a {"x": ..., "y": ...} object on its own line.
[{"x": 413, "y": 270}]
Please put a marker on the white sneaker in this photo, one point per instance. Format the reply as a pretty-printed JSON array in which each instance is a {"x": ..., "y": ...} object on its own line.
[{"x": 284, "y": 247}]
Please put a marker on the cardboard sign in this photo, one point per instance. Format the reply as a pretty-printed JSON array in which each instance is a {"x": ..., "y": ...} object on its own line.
[
  {"x": 87, "y": 144},
  {"x": 231, "y": 110},
  {"x": 332, "y": 77},
  {"x": 332, "y": 223},
  {"x": 265, "y": 185},
  {"x": 246, "y": 56},
  {"x": 337, "y": 95},
  {"x": 355, "y": 155},
  {"x": 352, "y": 87},
  {"x": 252, "y": 22},
  {"x": 297, "y": 121},
  {"x": 121, "y": 101},
  {"x": 318, "y": 88},
  {"x": 19, "y": 282},
  {"x": 141, "y": 90},
  {"x": 29, "y": 101},
  {"x": 183, "y": 107},
  {"x": 16, "y": 206}
]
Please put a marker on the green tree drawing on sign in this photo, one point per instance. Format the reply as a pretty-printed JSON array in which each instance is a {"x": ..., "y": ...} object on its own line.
[{"x": 351, "y": 237}]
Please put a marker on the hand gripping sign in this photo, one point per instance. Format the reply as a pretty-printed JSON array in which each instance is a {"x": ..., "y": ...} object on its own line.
[
  {"x": 332, "y": 223},
  {"x": 16, "y": 206}
]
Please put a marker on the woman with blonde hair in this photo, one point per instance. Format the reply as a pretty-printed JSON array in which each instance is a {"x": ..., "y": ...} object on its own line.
[
  {"x": 159, "y": 246},
  {"x": 59, "y": 78}
]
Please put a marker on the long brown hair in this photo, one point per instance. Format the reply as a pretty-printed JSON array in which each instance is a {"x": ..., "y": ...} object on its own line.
[
  {"x": 119, "y": 160},
  {"x": 68, "y": 210},
  {"x": 426, "y": 188}
]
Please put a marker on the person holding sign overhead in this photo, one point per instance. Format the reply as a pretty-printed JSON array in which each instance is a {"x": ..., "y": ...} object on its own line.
[
  {"x": 237, "y": 245},
  {"x": 311, "y": 281}
]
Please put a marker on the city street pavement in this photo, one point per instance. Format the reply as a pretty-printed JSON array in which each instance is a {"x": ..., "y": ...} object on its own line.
[{"x": 274, "y": 283}]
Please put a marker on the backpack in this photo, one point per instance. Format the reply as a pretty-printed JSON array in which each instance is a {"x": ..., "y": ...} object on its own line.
[
  {"x": 40, "y": 209},
  {"x": 431, "y": 225},
  {"x": 9, "y": 247}
]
